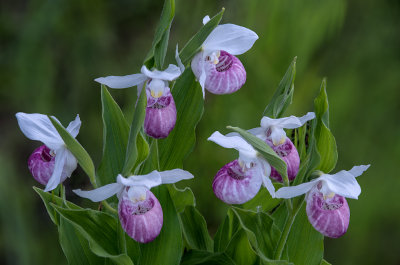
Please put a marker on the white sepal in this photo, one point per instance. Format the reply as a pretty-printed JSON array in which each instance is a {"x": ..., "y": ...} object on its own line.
[
  {"x": 169, "y": 74},
  {"x": 55, "y": 179},
  {"x": 149, "y": 181},
  {"x": 74, "y": 126},
  {"x": 38, "y": 127},
  {"x": 266, "y": 172},
  {"x": 206, "y": 19},
  {"x": 358, "y": 170},
  {"x": 137, "y": 193},
  {"x": 246, "y": 152},
  {"x": 231, "y": 38},
  {"x": 100, "y": 194},
  {"x": 122, "y": 81},
  {"x": 174, "y": 175},
  {"x": 278, "y": 135},
  {"x": 294, "y": 191}
]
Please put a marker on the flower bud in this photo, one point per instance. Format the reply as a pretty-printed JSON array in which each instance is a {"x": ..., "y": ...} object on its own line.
[
  {"x": 160, "y": 116},
  {"x": 225, "y": 73},
  {"x": 288, "y": 152},
  {"x": 142, "y": 220},
  {"x": 233, "y": 185},
  {"x": 329, "y": 215},
  {"x": 41, "y": 165}
]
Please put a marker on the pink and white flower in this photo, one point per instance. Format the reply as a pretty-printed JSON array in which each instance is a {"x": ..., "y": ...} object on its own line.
[
  {"x": 161, "y": 110},
  {"x": 215, "y": 66},
  {"x": 51, "y": 163},
  {"x": 139, "y": 210},
  {"x": 240, "y": 180},
  {"x": 327, "y": 208}
]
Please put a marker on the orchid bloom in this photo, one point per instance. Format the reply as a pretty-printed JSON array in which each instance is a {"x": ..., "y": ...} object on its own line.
[
  {"x": 215, "y": 66},
  {"x": 240, "y": 180},
  {"x": 160, "y": 111},
  {"x": 327, "y": 208},
  {"x": 139, "y": 210},
  {"x": 51, "y": 163}
]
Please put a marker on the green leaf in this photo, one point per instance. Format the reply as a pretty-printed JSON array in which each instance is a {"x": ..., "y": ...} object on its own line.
[
  {"x": 240, "y": 251},
  {"x": 132, "y": 249},
  {"x": 189, "y": 106},
  {"x": 196, "y": 257},
  {"x": 76, "y": 149},
  {"x": 263, "y": 201},
  {"x": 261, "y": 231},
  {"x": 181, "y": 197},
  {"x": 48, "y": 198},
  {"x": 132, "y": 151},
  {"x": 325, "y": 141},
  {"x": 324, "y": 262},
  {"x": 75, "y": 246},
  {"x": 115, "y": 138},
  {"x": 273, "y": 159},
  {"x": 100, "y": 229},
  {"x": 167, "y": 248},
  {"x": 195, "y": 230},
  {"x": 157, "y": 53},
  {"x": 225, "y": 231},
  {"x": 143, "y": 151},
  {"x": 194, "y": 44},
  {"x": 283, "y": 95}
]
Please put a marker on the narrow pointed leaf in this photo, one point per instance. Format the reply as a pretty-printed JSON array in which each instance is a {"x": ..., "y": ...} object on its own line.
[
  {"x": 194, "y": 44},
  {"x": 197, "y": 257},
  {"x": 115, "y": 138},
  {"x": 240, "y": 250},
  {"x": 76, "y": 149},
  {"x": 195, "y": 230},
  {"x": 226, "y": 231},
  {"x": 283, "y": 95},
  {"x": 181, "y": 197}
]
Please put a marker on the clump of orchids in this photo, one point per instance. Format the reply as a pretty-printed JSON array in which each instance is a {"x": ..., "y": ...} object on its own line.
[{"x": 281, "y": 176}]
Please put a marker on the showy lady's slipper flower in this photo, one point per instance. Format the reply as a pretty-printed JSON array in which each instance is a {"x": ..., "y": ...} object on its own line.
[
  {"x": 240, "y": 180},
  {"x": 327, "y": 208},
  {"x": 139, "y": 210},
  {"x": 215, "y": 66},
  {"x": 51, "y": 163},
  {"x": 271, "y": 131},
  {"x": 160, "y": 111}
]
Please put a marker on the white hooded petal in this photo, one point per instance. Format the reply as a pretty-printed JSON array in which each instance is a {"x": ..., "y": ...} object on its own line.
[
  {"x": 278, "y": 135},
  {"x": 291, "y": 122},
  {"x": 74, "y": 126},
  {"x": 100, "y": 194},
  {"x": 294, "y": 191},
  {"x": 175, "y": 175},
  {"x": 169, "y": 74},
  {"x": 246, "y": 151},
  {"x": 342, "y": 183},
  {"x": 206, "y": 19},
  {"x": 55, "y": 179},
  {"x": 231, "y": 38},
  {"x": 137, "y": 193},
  {"x": 178, "y": 60},
  {"x": 358, "y": 170},
  {"x": 122, "y": 81},
  {"x": 150, "y": 180},
  {"x": 39, "y": 127}
]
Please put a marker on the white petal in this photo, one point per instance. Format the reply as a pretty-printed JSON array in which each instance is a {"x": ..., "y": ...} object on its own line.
[
  {"x": 278, "y": 135},
  {"x": 259, "y": 132},
  {"x": 100, "y": 194},
  {"x": 178, "y": 60},
  {"x": 150, "y": 180},
  {"x": 137, "y": 193},
  {"x": 122, "y": 81},
  {"x": 206, "y": 19},
  {"x": 55, "y": 178},
  {"x": 203, "y": 75},
  {"x": 294, "y": 191},
  {"x": 291, "y": 122},
  {"x": 266, "y": 172},
  {"x": 231, "y": 38},
  {"x": 342, "y": 183},
  {"x": 39, "y": 127},
  {"x": 70, "y": 163},
  {"x": 358, "y": 170},
  {"x": 169, "y": 74},
  {"x": 74, "y": 126},
  {"x": 246, "y": 151},
  {"x": 175, "y": 175}
]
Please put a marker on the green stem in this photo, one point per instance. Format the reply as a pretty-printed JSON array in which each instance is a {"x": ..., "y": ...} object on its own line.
[
  {"x": 62, "y": 193},
  {"x": 285, "y": 232},
  {"x": 109, "y": 207},
  {"x": 158, "y": 155}
]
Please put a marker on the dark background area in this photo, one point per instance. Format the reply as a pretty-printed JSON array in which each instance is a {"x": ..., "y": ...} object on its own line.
[{"x": 50, "y": 52}]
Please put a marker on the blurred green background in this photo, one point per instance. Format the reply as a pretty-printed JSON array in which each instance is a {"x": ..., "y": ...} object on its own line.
[{"x": 50, "y": 52}]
